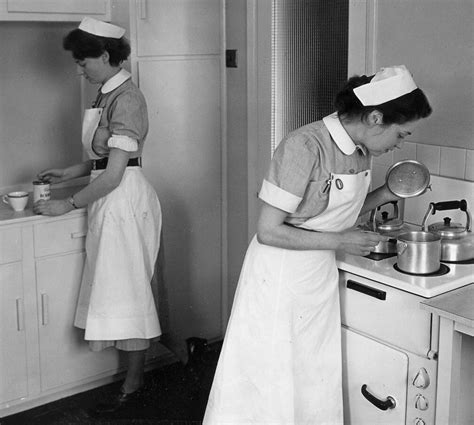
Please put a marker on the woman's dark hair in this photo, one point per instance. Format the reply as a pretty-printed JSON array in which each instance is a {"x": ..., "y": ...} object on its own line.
[
  {"x": 409, "y": 107},
  {"x": 84, "y": 45}
]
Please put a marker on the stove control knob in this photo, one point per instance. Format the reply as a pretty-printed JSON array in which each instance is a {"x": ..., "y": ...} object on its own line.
[
  {"x": 422, "y": 379},
  {"x": 419, "y": 421},
  {"x": 421, "y": 403}
]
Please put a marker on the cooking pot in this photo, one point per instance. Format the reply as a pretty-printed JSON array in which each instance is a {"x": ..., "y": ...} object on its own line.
[
  {"x": 390, "y": 226},
  {"x": 457, "y": 240},
  {"x": 418, "y": 252}
]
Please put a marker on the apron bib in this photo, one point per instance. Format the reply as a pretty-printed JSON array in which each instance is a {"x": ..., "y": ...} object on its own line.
[
  {"x": 122, "y": 244},
  {"x": 280, "y": 362}
]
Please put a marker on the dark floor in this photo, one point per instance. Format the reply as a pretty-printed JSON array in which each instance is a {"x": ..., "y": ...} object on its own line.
[{"x": 174, "y": 395}]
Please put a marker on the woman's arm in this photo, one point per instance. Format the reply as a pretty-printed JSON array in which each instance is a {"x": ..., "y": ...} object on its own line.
[
  {"x": 58, "y": 175},
  {"x": 272, "y": 230},
  {"x": 107, "y": 181},
  {"x": 98, "y": 188},
  {"x": 377, "y": 197}
]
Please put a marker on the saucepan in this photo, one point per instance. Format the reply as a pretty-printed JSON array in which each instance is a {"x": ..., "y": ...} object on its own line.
[
  {"x": 419, "y": 252},
  {"x": 457, "y": 240}
]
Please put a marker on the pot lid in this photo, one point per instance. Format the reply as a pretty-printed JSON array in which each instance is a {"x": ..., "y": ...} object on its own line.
[
  {"x": 408, "y": 178},
  {"x": 448, "y": 230}
]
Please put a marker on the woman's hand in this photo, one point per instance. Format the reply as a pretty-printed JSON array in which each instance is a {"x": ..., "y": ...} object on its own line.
[
  {"x": 52, "y": 207},
  {"x": 53, "y": 175},
  {"x": 360, "y": 242}
]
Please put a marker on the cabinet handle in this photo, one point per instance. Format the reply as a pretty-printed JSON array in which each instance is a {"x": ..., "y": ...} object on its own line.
[
  {"x": 364, "y": 289},
  {"x": 20, "y": 320},
  {"x": 78, "y": 235},
  {"x": 143, "y": 8},
  {"x": 389, "y": 403},
  {"x": 44, "y": 309}
]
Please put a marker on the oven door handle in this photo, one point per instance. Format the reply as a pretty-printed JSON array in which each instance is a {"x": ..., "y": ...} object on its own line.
[
  {"x": 389, "y": 403},
  {"x": 367, "y": 290}
]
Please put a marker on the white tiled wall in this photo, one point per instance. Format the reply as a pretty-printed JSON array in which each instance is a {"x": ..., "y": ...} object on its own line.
[{"x": 441, "y": 161}]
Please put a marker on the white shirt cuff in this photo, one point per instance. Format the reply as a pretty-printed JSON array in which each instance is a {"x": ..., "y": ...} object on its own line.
[
  {"x": 278, "y": 197},
  {"x": 122, "y": 142}
]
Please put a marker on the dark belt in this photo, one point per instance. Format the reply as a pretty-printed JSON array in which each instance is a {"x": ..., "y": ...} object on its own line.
[{"x": 101, "y": 164}]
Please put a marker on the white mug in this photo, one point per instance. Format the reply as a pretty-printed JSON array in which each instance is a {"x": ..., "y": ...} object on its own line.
[{"x": 17, "y": 200}]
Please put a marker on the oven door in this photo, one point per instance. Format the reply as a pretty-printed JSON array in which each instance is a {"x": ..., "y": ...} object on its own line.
[{"x": 378, "y": 370}]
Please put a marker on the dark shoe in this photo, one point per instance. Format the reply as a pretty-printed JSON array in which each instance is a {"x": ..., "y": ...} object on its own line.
[
  {"x": 121, "y": 401},
  {"x": 196, "y": 347}
]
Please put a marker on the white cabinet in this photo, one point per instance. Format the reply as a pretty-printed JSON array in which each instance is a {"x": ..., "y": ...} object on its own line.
[
  {"x": 42, "y": 355},
  {"x": 178, "y": 27},
  {"x": 177, "y": 62},
  {"x": 53, "y": 10},
  {"x": 13, "y": 362}
]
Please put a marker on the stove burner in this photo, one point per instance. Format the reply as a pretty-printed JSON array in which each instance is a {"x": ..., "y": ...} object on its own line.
[
  {"x": 377, "y": 256},
  {"x": 444, "y": 269},
  {"x": 471, "y": 261}
]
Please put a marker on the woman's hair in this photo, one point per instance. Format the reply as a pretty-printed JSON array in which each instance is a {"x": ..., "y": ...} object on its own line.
[
  {"x": 84, "y": 45},
  {"x": 409, "y": 107}
]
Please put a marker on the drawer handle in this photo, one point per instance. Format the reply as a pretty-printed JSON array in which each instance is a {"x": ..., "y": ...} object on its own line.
[
  {"x": 389, "y": 403},
  {"x": 367, "y": 290},
  {"x": 44, "y": 309},
  {"x": 78, "y": 235},
  {"x": 20, "y": 320}
]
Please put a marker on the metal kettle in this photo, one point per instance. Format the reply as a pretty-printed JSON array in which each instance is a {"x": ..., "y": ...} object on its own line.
[
  {"x": 389, "y": 225},
  {"x": 457, "y": 240}
]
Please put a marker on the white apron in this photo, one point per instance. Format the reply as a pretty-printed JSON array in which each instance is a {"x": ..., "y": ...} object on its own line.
[
  {"x": 122, "y": 244},
  {"x": 281, "y": 358}
]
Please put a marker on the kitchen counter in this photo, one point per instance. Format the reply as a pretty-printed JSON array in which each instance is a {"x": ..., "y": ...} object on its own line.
[
  {"x": 455, "y": 310},
  {"x": 8, "y": 216},
  {"x": 457, "y": 306}
]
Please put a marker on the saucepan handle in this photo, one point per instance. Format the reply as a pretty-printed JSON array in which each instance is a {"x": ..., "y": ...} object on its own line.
[
  {"x": 4, "y": 198},
  {"x": 401, "y": 247}
]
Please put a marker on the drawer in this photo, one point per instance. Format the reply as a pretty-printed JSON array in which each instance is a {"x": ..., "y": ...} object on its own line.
[
  {"x": 60, "y": 236},
  {"x": 385, "y": 313},
  {"x": 10, "y": 245}
]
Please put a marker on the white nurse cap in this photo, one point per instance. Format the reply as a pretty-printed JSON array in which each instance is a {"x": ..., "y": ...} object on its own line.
[
  {"x": 100, "y": 28},
  {"x": 387, "y": 84}
]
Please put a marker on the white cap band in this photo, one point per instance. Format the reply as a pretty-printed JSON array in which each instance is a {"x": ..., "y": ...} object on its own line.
[
  {"x": 100, "y": 28},
  {"x": 387, "y": 84}
]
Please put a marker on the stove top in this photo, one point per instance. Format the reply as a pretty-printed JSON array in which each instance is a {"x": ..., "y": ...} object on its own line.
[{"x": 384, "y": 271}]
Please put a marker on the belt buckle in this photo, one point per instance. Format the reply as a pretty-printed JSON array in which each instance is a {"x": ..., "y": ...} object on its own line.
[{"x": 94, "y": 164}]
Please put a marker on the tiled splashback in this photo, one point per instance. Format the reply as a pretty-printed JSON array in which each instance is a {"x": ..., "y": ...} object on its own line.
[{"x": 441, "y": 161}]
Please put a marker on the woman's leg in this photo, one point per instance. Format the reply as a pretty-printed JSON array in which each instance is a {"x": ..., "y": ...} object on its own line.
[{"x": 135, "y": 371}]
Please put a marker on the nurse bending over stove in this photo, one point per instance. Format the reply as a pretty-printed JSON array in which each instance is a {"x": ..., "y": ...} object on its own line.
[
  {"x": 281, "y": 358},
  {"x": 116, "y": 305}
]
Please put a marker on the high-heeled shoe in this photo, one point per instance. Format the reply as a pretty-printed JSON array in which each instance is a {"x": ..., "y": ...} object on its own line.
[{"x": 120, "y": 401}]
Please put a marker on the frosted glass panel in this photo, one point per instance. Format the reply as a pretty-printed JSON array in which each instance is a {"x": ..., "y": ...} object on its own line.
[{"x": 309, "y": 61}]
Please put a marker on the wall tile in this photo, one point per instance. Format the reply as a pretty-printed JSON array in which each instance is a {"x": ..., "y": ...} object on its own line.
[
  {"x": 469, "y": 175},
  {"x": 453, "y": 162},
  {"x": 430, "y": 156},
  {"x": 408, "y": 151}
]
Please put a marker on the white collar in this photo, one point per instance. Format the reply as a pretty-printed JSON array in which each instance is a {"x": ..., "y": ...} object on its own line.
[
  {"x": 340, "y": 136},
  {"x": 117, "y": 80}
]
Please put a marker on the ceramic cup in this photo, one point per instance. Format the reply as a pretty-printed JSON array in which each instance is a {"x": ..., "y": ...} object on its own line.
[{"x": 17, "y": 200}]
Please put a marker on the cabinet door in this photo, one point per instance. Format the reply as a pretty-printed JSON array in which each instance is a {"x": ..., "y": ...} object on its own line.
[
  {"x": 65, "y": 357},
  {"x": 385, "y": 372},
  {"x": 178, "y": 27},
  {"x": 53, "y": 10},
  {"x": 13, "y": 361},
  {"x": 182, "y": 159}
]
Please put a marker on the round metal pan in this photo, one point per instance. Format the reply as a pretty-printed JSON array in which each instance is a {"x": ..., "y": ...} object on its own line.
[{"x": 408, "y": 178}]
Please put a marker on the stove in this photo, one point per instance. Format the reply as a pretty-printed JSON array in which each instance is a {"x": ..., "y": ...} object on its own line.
[{"x": 389, "y": 343}]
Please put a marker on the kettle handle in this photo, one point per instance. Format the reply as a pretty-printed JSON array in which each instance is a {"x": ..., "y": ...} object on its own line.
[{"x": 447, "y": 205}]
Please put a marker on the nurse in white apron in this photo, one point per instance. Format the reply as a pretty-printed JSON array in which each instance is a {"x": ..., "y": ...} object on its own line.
[
  {"x": 281, "y": 358},
  {"x": 116, "y": 305}
]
